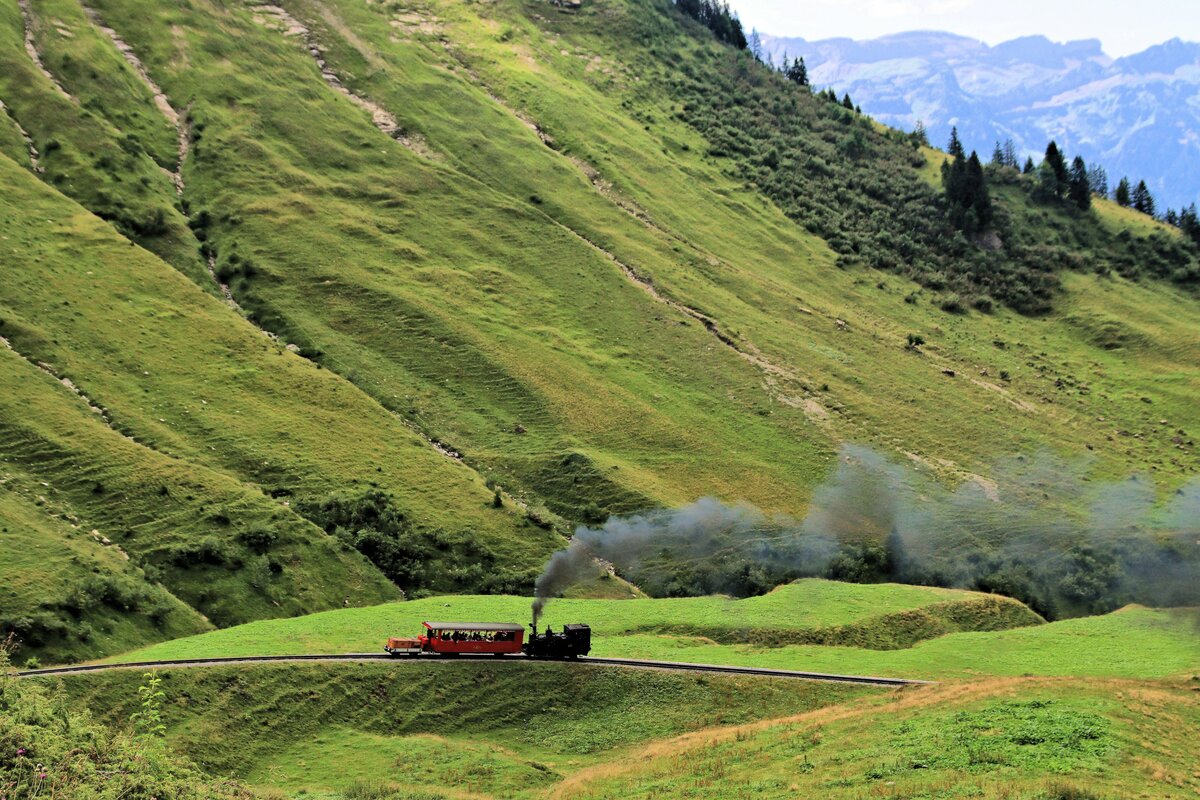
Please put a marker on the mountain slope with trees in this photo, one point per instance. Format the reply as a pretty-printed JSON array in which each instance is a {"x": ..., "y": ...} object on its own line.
[
  {"x": 432, "y": 284},
  {"x": 1136, "y": 115}
]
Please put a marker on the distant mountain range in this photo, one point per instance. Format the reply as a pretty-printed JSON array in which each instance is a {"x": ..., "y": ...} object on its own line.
[{"x": 1137, "y": 116}]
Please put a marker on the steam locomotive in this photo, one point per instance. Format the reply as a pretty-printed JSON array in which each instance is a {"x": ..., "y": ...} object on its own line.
[{"x": 498, "y": 639}]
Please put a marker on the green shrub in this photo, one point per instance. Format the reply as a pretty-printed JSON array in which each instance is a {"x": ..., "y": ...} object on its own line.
[{"x": 49, "y": 747}]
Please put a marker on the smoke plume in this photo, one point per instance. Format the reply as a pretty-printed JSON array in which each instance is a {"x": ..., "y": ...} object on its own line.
[{"x": 1038, "y": 529}]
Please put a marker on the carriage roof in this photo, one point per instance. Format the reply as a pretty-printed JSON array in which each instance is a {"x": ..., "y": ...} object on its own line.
[{"x": 474, "y": 626}]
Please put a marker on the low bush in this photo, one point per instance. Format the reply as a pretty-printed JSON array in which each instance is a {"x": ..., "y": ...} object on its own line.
[{"x": 49, "y": 747}]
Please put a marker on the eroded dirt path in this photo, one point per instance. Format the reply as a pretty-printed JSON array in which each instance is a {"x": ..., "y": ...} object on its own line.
[
  {"x": 34, "y": 155},
  {"x": 32, "y": 50},
  {"x": 278, "y": 18},
  {"x": 160, "y": 98}
]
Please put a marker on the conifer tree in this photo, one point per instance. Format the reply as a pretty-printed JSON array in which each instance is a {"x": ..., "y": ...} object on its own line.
[
  {"x": 920, "y": 135},
  {"x": 847, "y": 102},
  {"x": 1046, "y": 186},
  {"x": 1080, "y": 189},
  {"x": 1189, "y": 223},
  {"x": 1010, "y": 154},
  {"x": 955, "y": 148},
  {"x": 1029, "y": 168},
  {"x": 1057, "y": 163},
  {"x": 797, "y": 72},
  {"x": 1123, "y": 195},
  {"x": 756, "y": 48},
  {"x": 998, "y": 155},
  {"x": 1098, "y": 180},
  {"x": 978, "y": 199},
  {"x": 1143, "y": 201}
]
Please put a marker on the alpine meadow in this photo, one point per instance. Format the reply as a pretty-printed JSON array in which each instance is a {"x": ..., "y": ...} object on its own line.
[{"x": 326, "y": 319}]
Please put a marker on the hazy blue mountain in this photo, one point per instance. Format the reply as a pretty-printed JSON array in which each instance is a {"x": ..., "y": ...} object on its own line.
[{"x": 1137, "y": 116}]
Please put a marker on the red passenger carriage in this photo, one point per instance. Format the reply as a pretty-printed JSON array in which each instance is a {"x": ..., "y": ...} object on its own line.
[{"x": 472, "y": 638}]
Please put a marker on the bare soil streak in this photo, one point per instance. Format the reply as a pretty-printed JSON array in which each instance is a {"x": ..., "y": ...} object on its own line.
[
  {"x": 34, "y": 55},
  {"x": 160, "y": 97},
  {"x": 29, "y": 145},
  {"x": 278, "y": 18}
]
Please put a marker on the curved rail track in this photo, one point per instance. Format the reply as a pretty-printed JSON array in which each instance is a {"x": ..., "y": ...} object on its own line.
[{"x": 628, "y": 663}]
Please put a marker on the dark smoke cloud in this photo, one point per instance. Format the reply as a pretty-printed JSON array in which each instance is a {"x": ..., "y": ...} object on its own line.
[
  {"x": 703, "y": 541},
  {"x": 1038, "y": 529}
]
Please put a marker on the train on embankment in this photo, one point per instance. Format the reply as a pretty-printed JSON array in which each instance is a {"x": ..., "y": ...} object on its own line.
[{"x": 491, "y": 638}]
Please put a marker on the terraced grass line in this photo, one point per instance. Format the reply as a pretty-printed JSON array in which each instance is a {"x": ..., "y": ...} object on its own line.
[{"x": 67, "y": 382}]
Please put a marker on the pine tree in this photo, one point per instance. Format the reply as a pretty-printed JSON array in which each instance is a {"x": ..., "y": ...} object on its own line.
[
  {"x": 756, "y": 48},
  {"x": 847, "y": 102},
  {"x": 955, "y": 148},
  {"x": 1010, "y": 154},
  {"x": 1029, "y": 168},
  {"x": 998, "y": 155},
  {"x": 1143, "y": 201},
  {"x": 1080, "y": 188},
  {"x": 1189, "y": 223},
  {"x": 967, "y": 197},
  {"x": 1123, "y": 195},
  {"x": 1057, "y": 163},
  {"x": 1046, "y": 185},
  {"x": 979, "y": 201},
  {"x": 797, "y": 72},
  {"x": 920, "y": 135},
  {"x": 1098, "y": 179}
]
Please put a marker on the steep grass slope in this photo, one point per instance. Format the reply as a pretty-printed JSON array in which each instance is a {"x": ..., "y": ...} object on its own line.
[
  {"x": 592, "y": 383},
  {"x": 67, "y": 591},
  {"x": 496, "y": 249},
  {"x": 194, "y": 417}
]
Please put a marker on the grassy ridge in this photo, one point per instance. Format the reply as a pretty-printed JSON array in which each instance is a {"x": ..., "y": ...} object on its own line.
[
  {"x": 809, "y": 610},
  {"x": 64, "y": 584}
]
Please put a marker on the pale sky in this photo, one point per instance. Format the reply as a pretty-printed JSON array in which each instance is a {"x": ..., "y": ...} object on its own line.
[{"x": 1124, "y": 26}]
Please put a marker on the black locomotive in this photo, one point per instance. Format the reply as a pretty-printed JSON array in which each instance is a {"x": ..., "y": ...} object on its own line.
[{"x": 574, "y": 641}]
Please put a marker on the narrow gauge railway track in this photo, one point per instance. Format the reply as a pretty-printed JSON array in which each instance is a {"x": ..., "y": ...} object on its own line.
[{"x": 628, "y": 663}]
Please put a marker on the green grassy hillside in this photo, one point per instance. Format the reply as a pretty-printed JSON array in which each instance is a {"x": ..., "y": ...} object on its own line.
[
  {"x": 496, "y": 247},
  {"x": 546, "y": 730},
  {"x": 69, "y": 591},
  {"x": 1033, "y": 740}
]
